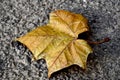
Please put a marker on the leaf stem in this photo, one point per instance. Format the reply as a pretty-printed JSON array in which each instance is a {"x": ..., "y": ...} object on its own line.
[{"x": 99, "y": 42}]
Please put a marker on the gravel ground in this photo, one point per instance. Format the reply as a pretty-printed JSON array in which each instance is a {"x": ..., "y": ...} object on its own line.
[{"x": 18, "y": 17}]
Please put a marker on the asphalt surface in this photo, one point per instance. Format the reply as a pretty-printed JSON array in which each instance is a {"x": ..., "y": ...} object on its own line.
[{"x": 18, "y": 17}]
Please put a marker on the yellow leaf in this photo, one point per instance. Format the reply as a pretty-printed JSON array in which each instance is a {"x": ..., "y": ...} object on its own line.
[{"x": 57, "y": 41}]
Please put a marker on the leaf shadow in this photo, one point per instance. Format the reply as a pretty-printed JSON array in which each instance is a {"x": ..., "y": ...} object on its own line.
[
  {"x": 23, "y": 50},
  {"x": 73, "y": 69}
]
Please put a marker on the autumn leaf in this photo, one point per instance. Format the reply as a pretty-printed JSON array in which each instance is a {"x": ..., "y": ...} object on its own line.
[{"x": 57, "y": 41}]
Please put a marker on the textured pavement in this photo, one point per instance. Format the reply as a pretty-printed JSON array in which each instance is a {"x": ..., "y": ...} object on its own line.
[{"x": 18, "y": 17}]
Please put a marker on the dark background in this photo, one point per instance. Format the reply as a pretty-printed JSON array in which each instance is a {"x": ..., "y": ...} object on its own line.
[{"x": 18, "y": 17}]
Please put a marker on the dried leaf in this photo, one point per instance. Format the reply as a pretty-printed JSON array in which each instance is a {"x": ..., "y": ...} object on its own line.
[{"x": 57, "y": 41}]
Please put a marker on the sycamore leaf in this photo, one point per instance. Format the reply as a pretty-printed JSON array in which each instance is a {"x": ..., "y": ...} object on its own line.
[{"x": 57, "y": 41}]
